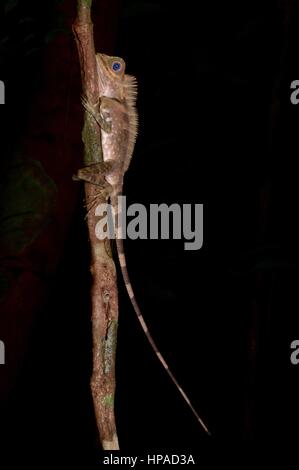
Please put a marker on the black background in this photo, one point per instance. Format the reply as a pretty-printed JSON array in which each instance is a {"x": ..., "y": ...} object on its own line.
[{"x": 216, "y": 127}]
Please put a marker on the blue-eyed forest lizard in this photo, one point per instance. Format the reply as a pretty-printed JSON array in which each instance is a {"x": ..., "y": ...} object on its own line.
[{"x": 116, "y": 115}]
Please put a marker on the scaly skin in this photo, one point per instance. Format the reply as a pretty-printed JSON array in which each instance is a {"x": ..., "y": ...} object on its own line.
[{"x": 117, "y": 117}]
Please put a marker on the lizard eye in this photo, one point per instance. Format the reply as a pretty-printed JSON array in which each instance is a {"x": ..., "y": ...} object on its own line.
[{"x": 116, "y": 66}]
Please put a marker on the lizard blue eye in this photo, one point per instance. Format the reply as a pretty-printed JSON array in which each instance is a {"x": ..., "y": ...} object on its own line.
[{"x": 116, "y": 66}]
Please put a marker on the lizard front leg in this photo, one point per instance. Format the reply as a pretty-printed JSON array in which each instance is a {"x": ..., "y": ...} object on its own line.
[
  {"x": 100, "y": 114},
  {"x": 96, "y": 173}
]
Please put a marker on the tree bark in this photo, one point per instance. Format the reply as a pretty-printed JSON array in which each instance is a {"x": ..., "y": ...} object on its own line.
[{"x": 104, "y": 295}]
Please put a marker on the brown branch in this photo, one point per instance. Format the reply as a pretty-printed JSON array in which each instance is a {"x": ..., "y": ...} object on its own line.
[{"x": 104, "y": 288}]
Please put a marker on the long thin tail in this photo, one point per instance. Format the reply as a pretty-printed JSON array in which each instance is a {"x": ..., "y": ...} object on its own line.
[{"x": 123, "y": 266}]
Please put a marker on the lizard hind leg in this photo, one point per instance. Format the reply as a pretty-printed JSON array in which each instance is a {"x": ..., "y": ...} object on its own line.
[{"x": 95, "y": 174}]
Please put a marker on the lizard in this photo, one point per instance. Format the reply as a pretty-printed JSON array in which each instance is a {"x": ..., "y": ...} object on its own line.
[{"x": 116, "y": 114}]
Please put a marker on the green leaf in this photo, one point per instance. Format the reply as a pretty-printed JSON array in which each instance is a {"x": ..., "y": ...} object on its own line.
[
  {"x": 26, "y": 205},
  {"x": 10, "y": 5}
]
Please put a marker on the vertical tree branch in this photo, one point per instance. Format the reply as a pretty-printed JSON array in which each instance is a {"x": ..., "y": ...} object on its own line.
[{"x": 104, "y": 296}]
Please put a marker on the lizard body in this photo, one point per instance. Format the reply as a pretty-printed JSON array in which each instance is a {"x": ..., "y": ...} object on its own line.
[{"x": 117, "y": 117}]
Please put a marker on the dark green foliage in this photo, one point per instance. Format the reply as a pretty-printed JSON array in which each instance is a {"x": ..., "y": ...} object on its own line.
[
  {"x": 26, "y": 27},
  {"x": 26, "y": 205},
  {"x": 10, "y": 5}
]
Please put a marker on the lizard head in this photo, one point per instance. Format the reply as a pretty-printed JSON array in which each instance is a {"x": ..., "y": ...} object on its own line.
[{"x": 111, "y": 74}]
